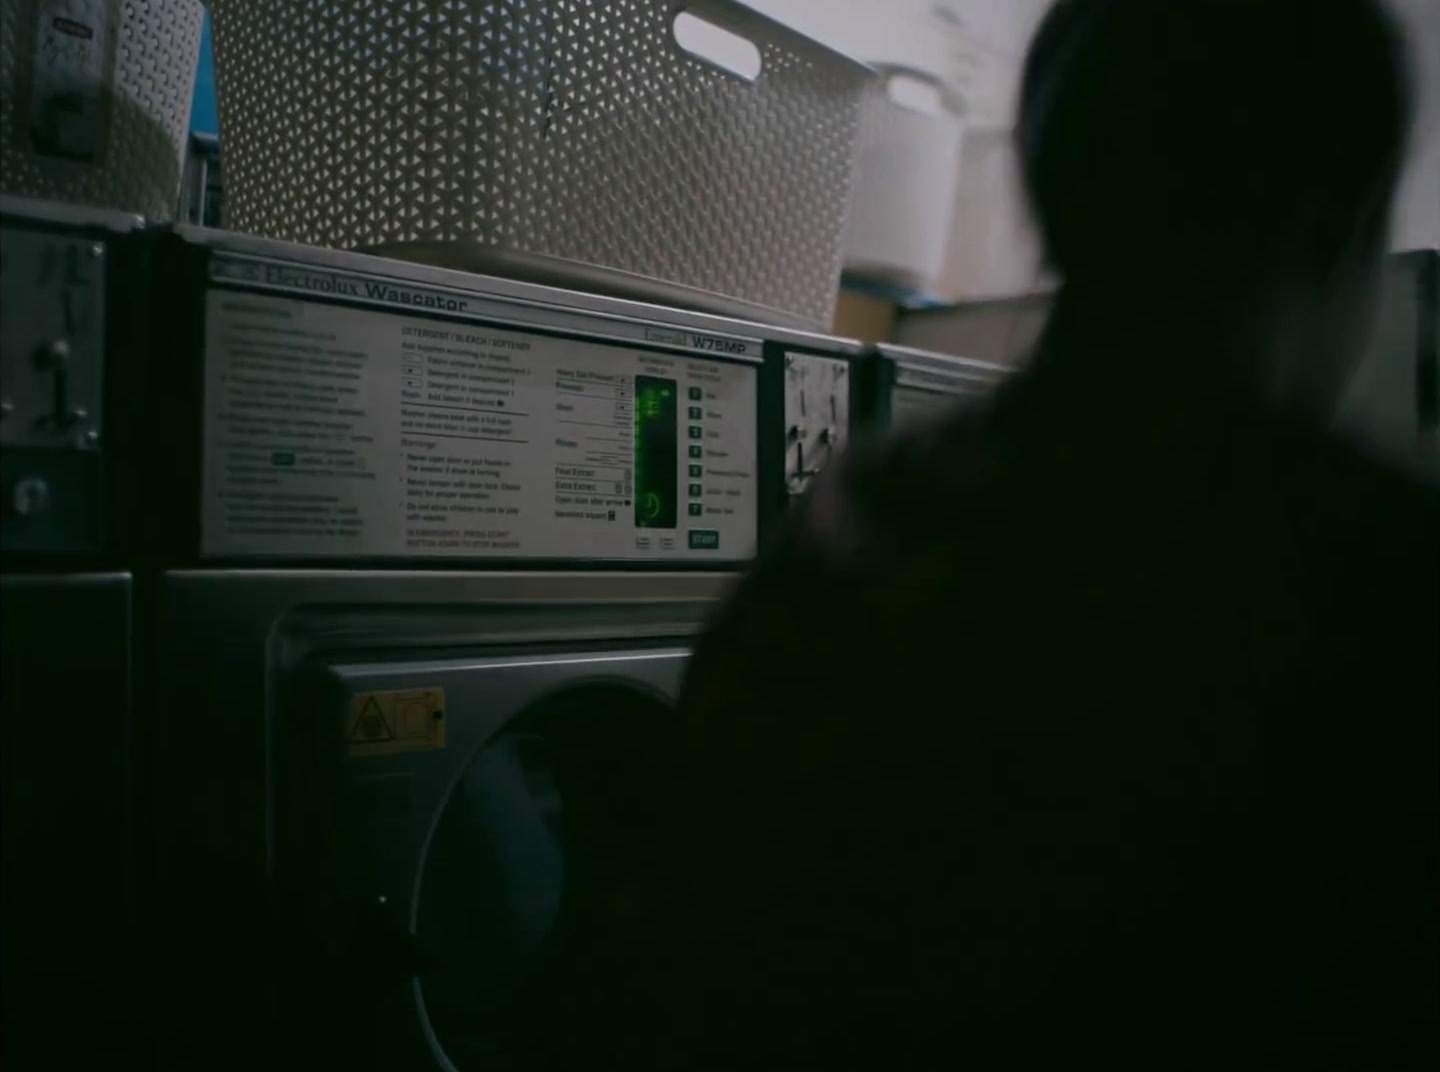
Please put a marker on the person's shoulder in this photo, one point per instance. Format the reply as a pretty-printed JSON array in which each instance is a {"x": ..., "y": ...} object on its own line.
[
  {"x": 1353, "y": 494},
  {"x": 892, "y": 492},
  {"x": 1354, "y": 535}
]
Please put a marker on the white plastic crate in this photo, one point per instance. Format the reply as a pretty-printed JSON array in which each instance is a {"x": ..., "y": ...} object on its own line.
[
  {"x": 95, "y": 100},
  {"x": 570, "y": 134}
]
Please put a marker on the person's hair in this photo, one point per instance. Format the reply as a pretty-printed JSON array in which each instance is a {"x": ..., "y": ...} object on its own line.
[{"x": 1210, "y": 130}]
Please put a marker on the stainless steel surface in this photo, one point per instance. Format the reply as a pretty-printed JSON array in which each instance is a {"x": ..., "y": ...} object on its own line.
[
  {"x": 571, "y": 129},
  {"x": 230, "y": 636},
  {"x": 223, "y": 626},
  {"x": 238, "y": 654},
  {"x": 67, "y": 214},
  {"x": 918, "y": 385},
  {"x": 515, "y": 301},
  {"x": 95, "y": 99},
  {"x": 429, "y": 863},
  {"x": 557, "y": 272},
  {"x": 912, "y": 362},
  {"x": 68, "y": 942}
]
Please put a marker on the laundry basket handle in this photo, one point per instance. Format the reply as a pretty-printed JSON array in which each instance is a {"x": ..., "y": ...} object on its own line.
[{"x": 715, "y": 33}]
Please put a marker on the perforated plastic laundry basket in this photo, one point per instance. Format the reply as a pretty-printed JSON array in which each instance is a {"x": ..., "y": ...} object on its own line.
[
  {"x": 95, "y": 100},
  {"x": 577, "y": 135}
]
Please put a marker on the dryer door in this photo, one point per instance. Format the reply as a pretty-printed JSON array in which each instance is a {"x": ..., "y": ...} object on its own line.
[{"x": 492, "y": 823}]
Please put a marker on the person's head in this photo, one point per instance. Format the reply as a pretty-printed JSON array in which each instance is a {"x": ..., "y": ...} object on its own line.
[{"x": 1242, "y": 153}]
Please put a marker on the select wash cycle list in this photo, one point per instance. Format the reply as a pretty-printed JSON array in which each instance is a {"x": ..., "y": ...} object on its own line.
[{"x": 338, "y": 431}]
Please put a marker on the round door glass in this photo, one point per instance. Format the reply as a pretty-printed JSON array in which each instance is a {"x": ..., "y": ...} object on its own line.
[{"x": 539, "y": 887}]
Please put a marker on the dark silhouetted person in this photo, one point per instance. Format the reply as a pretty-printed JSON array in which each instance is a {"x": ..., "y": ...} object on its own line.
[{"x": 1096, "y": 727}]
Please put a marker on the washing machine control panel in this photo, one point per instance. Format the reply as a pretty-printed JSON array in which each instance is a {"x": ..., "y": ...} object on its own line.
[{"x": 350, "y": 415}]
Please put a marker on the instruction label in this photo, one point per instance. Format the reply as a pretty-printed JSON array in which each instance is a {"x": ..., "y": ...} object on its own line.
[
  {"x": 344, "y": 432},
  {"x": 397, "y": 720}
]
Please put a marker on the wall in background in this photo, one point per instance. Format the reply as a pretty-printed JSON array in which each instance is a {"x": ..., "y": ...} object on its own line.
[
  {"x": 993, "y": 251},
  {"x": 1417, "y": 209},
  {"x": 978, "y": 46}
]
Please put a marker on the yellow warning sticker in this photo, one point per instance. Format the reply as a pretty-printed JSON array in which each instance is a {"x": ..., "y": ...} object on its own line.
[{"x": 399, "y": 720}]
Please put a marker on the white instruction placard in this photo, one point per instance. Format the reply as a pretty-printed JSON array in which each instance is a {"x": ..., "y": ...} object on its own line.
[{"x": 334, "y": 431}]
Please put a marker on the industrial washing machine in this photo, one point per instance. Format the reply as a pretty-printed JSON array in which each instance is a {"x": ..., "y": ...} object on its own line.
[
  {"x": 904, "y": 386},
  {"x": 416, "y": 807},
  {"x": 422, "y": 568},
  {"x": 68, "y": 935}
]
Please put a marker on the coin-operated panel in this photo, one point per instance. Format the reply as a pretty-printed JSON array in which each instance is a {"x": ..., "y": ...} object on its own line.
[{"x": 817, "y": 416}]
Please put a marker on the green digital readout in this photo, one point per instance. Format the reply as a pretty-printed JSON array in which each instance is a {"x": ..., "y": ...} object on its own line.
[{"x": 657, "y": 487}]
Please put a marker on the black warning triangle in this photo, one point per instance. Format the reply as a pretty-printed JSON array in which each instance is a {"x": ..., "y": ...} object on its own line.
[{"x": 371, "y": 725}]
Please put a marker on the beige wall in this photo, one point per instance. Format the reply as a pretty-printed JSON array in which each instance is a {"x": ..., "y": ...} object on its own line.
[{"x": 1417, "y": 209}]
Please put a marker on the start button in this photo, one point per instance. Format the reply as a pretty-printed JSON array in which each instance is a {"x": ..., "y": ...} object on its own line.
[{"x": 704, "y": 540}]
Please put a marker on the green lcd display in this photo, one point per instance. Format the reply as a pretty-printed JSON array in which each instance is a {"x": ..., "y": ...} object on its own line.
[{"x": 657, "y": 477}]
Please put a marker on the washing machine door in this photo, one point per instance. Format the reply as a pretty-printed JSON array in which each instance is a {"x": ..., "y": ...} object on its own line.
[{"x": 493, "y": 823}]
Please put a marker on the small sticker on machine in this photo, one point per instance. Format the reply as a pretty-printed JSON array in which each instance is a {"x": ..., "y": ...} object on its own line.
[{"x": 396, "y": 720}]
